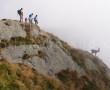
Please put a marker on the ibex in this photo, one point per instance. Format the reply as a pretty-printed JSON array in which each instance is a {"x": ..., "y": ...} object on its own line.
[{"x": 93, "y": 51}]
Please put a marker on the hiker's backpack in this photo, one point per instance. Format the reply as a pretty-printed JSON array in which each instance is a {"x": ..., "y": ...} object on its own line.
[
  {"x": 30, "y": 15},
  {"x": 19, "y": 12}
]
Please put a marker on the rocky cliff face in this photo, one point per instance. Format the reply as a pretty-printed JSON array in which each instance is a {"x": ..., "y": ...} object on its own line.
[{"x": 22, "y": 43}]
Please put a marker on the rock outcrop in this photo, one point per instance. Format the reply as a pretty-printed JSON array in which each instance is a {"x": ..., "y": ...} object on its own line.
[{"x": 23, "y": 43}]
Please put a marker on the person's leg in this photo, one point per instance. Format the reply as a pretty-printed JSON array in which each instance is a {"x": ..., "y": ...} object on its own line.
[
  {"x": 20, "y": 18},
  {"x": 35, "y": 21},
  {"x": 31, "y": 21}
]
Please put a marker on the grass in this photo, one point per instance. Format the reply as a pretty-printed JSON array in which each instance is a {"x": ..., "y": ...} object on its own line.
[
  {"x": 4, "y": 43},
  {"x": 90, "y": 86},
  {"x": 72, "y": 81},
  {"x": 63, "y": 45},
  {"x": 66, "y": 47},
  {"x": 22, "y": 77},
  {"x": 78, "y": 57},
  {"x": 22, "y": 41},
  {"x": 7, "y": 77}
]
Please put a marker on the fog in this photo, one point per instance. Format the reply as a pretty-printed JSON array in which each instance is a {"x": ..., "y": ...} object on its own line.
[{"x": 83, "y": 24}]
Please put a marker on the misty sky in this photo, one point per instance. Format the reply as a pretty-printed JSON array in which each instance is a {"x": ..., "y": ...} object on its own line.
[{"x": 82, "y": 23}]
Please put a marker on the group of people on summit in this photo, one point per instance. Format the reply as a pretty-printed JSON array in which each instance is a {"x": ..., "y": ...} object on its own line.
[{"x": 30, "y": 17}]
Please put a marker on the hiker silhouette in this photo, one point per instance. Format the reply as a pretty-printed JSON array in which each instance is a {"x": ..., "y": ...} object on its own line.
[
  {"x": 30, "y": 18},
  {"x": 20, "y": 13},
  {"x": 35, "y": 19}
]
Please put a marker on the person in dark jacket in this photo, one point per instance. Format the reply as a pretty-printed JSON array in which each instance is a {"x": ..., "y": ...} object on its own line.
[
  {"x": 20, "y": 12},
  {"x": 35, "y": 19}
]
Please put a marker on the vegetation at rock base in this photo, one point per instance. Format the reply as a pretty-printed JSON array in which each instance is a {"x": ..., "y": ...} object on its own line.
[
  {"x": 21, "y": 77},
  {"x": 72, "y": 81},
  {"x": 40, "y": 40}
]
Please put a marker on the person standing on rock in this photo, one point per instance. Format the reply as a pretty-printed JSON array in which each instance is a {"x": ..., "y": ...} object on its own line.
[
  {"x": 20, "y": 12},
  {"x": 30, "y": 18},
  {"x": 35, "y": 19},
  {"x": 25, "y": 20}
]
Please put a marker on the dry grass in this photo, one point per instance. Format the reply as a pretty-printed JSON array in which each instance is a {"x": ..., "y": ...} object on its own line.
[
  {"x": 73, "y": 82},
  {"x": 40, "y": 40},
  {"x": 22, "y": 77}
]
